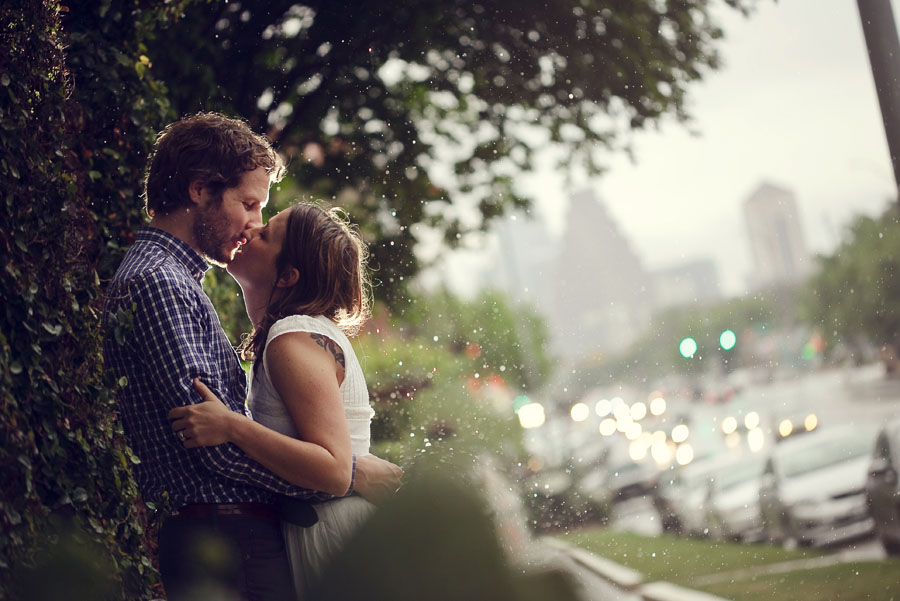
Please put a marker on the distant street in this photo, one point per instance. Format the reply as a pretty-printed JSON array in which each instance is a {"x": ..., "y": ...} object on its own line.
[
  {"x": 860, "y": 397},
  {"x": 841, "y": 396}
]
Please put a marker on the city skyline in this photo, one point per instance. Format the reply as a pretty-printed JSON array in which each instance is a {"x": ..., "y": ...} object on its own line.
[{"x": 793, "y": 104}]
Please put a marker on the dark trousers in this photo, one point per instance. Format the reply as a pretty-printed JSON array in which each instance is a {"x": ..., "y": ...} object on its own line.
[{"x": 224, "y": 558}]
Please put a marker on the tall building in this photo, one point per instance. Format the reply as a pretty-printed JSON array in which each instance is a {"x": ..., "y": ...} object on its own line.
[
  {"x": 603, "y": 298},
  {"x": 524, "y": 268},
  {"x": 776, "y": 237}
]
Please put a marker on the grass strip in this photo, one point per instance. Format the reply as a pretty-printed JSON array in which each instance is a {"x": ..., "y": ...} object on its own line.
[
  {"x": 863, "y": 581},
  {"x": 679, "y": 560},
  {"x": 688, "y": 562}
]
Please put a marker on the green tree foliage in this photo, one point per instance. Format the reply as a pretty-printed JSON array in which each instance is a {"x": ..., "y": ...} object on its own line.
[
  {"x": 78, "y": 114},
  {"x": 854, "y": 294},
  {"x": 114, "y": 111},
  {"x": 373, "y": 101},
  {"x": 443, "y": 373}
]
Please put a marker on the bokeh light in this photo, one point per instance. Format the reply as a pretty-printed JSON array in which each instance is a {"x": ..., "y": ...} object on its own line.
[
  {"x": 579, "y": 412},
  {"x": 756, "y": 439},
  {"x": 607, "y": 427},
  {"x": 811, "y": 422},
  {"x": 680, "y": 433},
  {"x": 785, "y": 428},
  {"x": 637, "y": 450},
  {"x": 633, "y": 431},
  {"x": 638, "y": 411},
  {"x": 658, "y": 406},
  {"x": 684, "y": 454},
  {"x": 751, "y": 420},
  {"x": 603, "y": 407},
  {"x": 729, "y": 425},
  {"x": 727, "y": 340},
  {"x": 520, "y": 401},
  {"x": 623, "y": 422},
  {"x": 688, "y": 347},
  {"x": 532, "y": 415},
  {"x": 661, "y": 452}
]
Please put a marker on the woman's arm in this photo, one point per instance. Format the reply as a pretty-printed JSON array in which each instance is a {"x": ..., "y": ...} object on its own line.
[{"x": 306, "y": 376}]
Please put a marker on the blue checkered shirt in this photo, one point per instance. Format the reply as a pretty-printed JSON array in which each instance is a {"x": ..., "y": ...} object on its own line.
[{"x": 176, "y": 337}]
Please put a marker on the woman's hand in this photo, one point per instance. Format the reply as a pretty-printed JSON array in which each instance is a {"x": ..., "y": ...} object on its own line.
[
  {"x": 205, "y": 424},
  {"x": 376, "y": 479}
]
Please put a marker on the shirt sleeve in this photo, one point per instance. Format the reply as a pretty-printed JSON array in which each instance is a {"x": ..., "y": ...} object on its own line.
[{"x": 170, "y": 332}]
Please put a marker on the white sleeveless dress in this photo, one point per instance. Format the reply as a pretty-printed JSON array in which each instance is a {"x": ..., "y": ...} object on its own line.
[{"x": 310, "y": 549}]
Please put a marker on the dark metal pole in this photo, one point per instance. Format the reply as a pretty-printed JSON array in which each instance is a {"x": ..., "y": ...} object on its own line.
[{"x": 880, "y": 31}]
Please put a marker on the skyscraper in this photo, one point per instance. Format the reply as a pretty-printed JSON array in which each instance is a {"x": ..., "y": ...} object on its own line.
[
  {"x": 603, "y": 296},
  {"x": 776, "y": 237}
]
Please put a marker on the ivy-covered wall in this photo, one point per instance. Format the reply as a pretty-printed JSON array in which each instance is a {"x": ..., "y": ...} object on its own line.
[{"x": 78, "y": 115}]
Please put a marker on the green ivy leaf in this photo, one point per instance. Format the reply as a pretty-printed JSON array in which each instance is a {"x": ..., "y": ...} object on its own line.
[
  {"x": 13, "y": 516},
  {"x": 53, "y": 330},
  {"x": 25, "y": 461}
]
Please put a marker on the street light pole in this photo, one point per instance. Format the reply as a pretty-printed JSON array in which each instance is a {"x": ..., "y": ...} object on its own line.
[{"x": 880, "y": 31}]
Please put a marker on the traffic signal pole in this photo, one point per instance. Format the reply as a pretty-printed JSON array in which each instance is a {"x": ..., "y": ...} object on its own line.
[{"x": 880, "y": 31}]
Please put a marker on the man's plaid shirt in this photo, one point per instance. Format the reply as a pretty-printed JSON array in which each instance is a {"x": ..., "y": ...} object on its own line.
[{"x": 176, "y": 337}]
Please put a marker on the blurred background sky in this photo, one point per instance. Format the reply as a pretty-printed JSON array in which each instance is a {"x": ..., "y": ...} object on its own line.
[{"x": 793, "y": 105}]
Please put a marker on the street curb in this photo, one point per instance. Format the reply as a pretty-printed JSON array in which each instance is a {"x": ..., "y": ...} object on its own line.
[
  {"x": 619, "y": 575},
  {"x": 628, "y": 579},
  {"x": 666, "y": 591}
]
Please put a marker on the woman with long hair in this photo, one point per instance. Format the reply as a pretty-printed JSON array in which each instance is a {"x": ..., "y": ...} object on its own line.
[{"x": 303, "y": 276}]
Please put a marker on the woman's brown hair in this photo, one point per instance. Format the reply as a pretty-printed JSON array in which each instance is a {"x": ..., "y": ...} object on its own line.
[{"x": 331, "y": 258}]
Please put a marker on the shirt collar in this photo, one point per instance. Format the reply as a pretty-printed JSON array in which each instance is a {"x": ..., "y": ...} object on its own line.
[{"x": 181, "y": 250}]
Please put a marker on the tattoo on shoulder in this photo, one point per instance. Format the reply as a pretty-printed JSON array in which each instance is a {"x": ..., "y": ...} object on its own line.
[{"x": 330, "y": 345}]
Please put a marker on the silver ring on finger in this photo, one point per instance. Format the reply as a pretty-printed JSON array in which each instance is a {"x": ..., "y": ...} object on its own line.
[{"x": 181, "y": 435}]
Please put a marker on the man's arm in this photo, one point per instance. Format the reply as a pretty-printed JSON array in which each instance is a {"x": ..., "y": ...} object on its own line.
[{"x": 169, "y": 333}]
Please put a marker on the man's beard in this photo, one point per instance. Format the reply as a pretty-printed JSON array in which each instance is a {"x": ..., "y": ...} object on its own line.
[{"x": 211, "y": 234}]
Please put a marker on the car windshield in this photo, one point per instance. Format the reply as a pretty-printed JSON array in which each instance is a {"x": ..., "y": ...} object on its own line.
[{"x": 825, "y": 452}]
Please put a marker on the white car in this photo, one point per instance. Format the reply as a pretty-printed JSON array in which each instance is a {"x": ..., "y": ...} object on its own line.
[
  {"x": 630, "y": 479},
  {"x": 681, "y": 496},
  {"x": 732, "y": 508},
  {"x": 813, "y": 487}
]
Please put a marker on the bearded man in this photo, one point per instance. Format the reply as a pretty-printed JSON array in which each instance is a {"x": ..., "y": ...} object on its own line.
[{"x": 207, "y": 183}]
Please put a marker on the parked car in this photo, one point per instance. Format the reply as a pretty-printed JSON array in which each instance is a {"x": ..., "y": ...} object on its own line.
[
  {"x": 812, "y": 488},
  {"x": 883, "y": 488},
  {"x": 680, "y": 494},
  {"x": 732, "y": 508},
  {"x": 665, "y": 495},
  {"x": 628, "y": 478}
]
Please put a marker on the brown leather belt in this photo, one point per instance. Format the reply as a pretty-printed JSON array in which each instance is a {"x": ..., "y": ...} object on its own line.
[{"x": 201, "y": 511}]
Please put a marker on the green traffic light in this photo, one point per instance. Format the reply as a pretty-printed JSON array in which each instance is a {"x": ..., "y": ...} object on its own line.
[
  {"x": 520, "y": 401},
  {"x": 688, "y": 347},
  {"x": 727, "y": 340}
]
